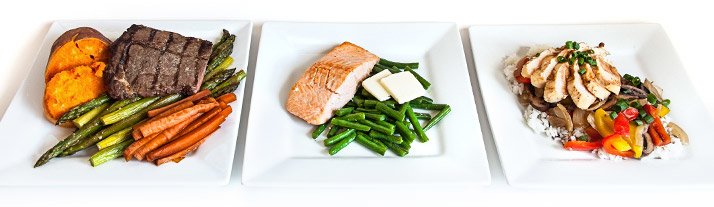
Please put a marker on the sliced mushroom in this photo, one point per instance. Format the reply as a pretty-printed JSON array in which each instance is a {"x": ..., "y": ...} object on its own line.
[
  {"x": 678, "y": 132},
  {"x": 649, "y": 85},
  {"x": 524, "y": 98},
  {"x": 580, "y": 118},
  {"x": 649, "y": 146},
  {"x": 632, "y": 91},
  {"x": 597, "y": 105},
  {"x": 539, "y": 103},
  {"x": 609, "y": 103},
  {"x": 559, "y": 116}
]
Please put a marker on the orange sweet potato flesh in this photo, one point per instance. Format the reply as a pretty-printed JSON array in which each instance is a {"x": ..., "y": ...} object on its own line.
[
  {"x": 76, "y": 47},
  {"x": 74, "y": 70},
  {"x": 73, "y": 87}
]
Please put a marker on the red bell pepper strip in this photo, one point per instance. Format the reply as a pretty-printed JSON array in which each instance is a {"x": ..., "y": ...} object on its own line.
[
  {"x": 582, "y": 145},
  {"x": 607, "y": 146},
  {"x": 656, "y": 127}
]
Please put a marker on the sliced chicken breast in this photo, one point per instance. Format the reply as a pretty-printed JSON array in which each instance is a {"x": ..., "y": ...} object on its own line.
[
  {"x": 592, "y": 83},
  {"x": 330, "y": 83},
  {"x": 607, "y": 74},
  {"x": 535, "y": 62},
  {"x": 540, "y": 75},
  {"x": 577, "y": 90},
  {"x": 556, "y": 86}
]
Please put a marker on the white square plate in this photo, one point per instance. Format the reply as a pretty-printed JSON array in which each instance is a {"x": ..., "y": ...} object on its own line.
[
  {"x": 279, "y": 150},
  {"x": 533, "y": 160},
  {"x": 26, "y": 134}
]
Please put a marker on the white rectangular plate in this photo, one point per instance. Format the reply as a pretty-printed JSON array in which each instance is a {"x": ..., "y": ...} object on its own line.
[
  {"x": 26, "y": 134},
  {"x": 279, "y": 150},
  {"x": 533, "y": 160}
]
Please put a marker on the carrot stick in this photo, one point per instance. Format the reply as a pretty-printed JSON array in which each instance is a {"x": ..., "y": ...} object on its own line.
[
  {"x": 188, "y": 139},
  {"x": 177, "y": 157},
  {"x": 136, "y": 134},
  {"x": 170, "y": 111},
  {"x": 222, "y": 105},
  {"x": 227, "y": 98},
  {"x": 129, "y": 151},
  {"x": 162, "y": 138},
  {"x": 166, "y": 122},
  {"x": 203, "y": 119},
  {"x": 194, "y": 97}
]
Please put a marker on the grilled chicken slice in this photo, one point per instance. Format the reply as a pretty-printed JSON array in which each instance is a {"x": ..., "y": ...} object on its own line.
[
  {"x": 535, "y": 62},
  {"x": 607, "y": 75},
  {"x": 577, "y": 90},
  {"x": 540, "y": 75},
  {"x": 556, "y": 85},
  {"x": 330, "y": 83},
  {"x": 592, "y": 83}
]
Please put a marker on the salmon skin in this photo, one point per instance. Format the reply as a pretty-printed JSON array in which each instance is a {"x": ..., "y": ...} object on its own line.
[{"x": 330, "y": 83}]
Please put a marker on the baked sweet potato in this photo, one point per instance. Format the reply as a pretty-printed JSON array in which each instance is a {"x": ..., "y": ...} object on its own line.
[
  {"x": 74, "y": 71},
  {"x": 73, "y": 87},
  {"x": 79, "y": 46}
]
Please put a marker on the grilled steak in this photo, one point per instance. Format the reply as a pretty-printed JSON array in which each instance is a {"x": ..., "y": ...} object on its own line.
[{"x": 149, "y": 62}]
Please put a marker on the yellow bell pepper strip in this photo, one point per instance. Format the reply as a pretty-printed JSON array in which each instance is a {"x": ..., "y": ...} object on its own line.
[
  {"x": 603, "y": 123},
  {"x": 616, "y": 145},
  {"x": 663, "y": 110},
  {"x": 637, "y": 141},
  {"x": 659, "y": 135}
]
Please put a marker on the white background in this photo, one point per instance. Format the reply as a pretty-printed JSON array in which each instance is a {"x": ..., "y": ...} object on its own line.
[{"x": 687, "y": 23}]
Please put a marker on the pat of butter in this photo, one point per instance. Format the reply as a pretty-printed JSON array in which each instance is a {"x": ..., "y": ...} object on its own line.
[
  {"x": 373, "y": 86},
  {"x": 403, "y": 87}
]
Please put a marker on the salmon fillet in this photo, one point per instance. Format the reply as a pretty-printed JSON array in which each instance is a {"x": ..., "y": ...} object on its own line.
[{"x": 330, "y": 83}]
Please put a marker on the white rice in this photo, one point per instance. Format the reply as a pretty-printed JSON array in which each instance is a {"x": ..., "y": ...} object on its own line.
[{"x": 538, "y": 121}]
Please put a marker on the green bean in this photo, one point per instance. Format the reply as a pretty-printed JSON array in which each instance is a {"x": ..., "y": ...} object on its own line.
[
  {"x": 397, "y": 149},
  {"x": 424, "y": 83},
  {"x": 402, "y": 110},
  {"x": 357, "y": 100},
  {"x": 375, "y": 117},
  {"x": 334, "y": 130},
  {"x": 385, "y": 124},
  {"x": 424, "y": 116},
  {"x": 334, "y": 139},
  {"x": 342, "y": 144},
  {"x": 376, "y": 69},
  {"x": 366, "y": 110},
  {"x": 439, "y": 116},
  {"x": 354, "y": 117},
  {"x": 370, "y": 103},
  {"x": 377, "y": 127},
  {"x": 416, "y": 125},
  {"x": 429, "y": 106},
  {"x": 349, "y": 124},
  {"x": 386, "y": 137},
  {"x": 394, "y": 69},
  {"x": 127, "y": 111},
  {"x": 366, "y": 93},
  {"x": 343, "y": 111},
  {"x": 389, "y": 111},
  {"x": 364, "y": 141},
  {"x": 421, "y": 100},
  {"x": 318, "y": 130},
  {"x": 389, "y": 63},
  {"x": 404, "y": 131}
]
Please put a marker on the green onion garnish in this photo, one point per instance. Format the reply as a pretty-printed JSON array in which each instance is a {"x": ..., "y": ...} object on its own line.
[
  {"x": 613, "y": 115},
  {"x": 651, "y": 99},
  {"x": 649, "y": 119}
]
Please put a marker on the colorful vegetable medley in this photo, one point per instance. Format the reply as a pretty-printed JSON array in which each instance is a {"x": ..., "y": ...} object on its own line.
[
  {"x": 157, "y": 129},
  {"x": 381, "y": 125},
  {"x": 574, "y": 95}
]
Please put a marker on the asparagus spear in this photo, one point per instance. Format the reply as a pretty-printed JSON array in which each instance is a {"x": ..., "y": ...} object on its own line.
[
  {"x": 222, "y": 51},
  {"x": 84, "y": 108},
  {"x": 86, "y": 130},
  {"x": 217, "y": 79},
  {"x": 127, "y": 122},
  {"x": 233, "y": 81},
  {"x": 109, "y": 153},
  {"x": 127, "y": 111}
]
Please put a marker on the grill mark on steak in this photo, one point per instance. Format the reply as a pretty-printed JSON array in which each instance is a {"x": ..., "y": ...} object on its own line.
[{"x": 149, "y": 62}]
